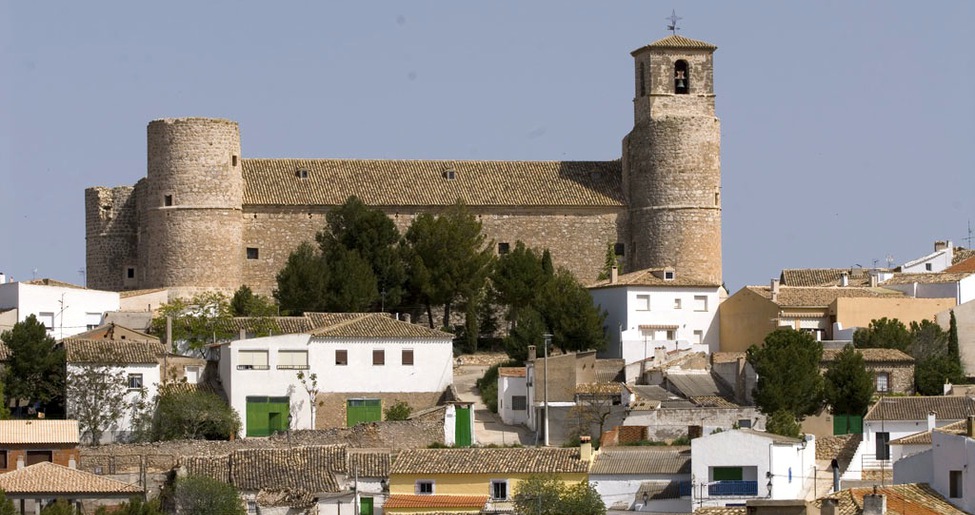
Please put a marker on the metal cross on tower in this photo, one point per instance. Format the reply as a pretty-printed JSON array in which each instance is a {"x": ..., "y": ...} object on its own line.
[{"x": 673, "y": 22}]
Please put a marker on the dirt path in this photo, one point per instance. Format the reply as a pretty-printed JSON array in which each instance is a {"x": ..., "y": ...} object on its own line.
[{"x": 487, "y": 426}]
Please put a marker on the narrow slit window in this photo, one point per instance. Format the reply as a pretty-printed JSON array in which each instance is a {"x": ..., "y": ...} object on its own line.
[{"x": 504, "y": 248}]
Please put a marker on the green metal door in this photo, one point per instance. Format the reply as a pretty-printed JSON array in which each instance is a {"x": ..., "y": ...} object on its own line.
[
  {"x": 365, "y": 506},
  {"x": 358, "y": 411},
  {"x": 462, "y": 427},
  {"x": 266, "y": 415}
]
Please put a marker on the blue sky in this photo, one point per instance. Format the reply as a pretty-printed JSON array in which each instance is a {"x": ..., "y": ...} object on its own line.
[{"x": 847, "y": 127}]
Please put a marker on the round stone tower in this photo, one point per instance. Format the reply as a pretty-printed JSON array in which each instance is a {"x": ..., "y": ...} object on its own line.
[
  {"x": 192, "y": 205},
  {"x": 671, "y": 162}
]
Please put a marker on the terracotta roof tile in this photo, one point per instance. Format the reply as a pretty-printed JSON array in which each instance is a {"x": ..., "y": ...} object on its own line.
[
  {"x": 727, "y": 357},
  {"x": 964, "y": 266},
  {"x": 213, "y": 467},
  {"x": 642, "y": 460},
  {"x": 435, "y": 501},
  {"x": 107, "y": 332},
  {"x": 520, "y": 460},
  {"x": 53, "y": 282},
  {"x": 917, "y": 408},
  {"x": 825, "y": 276},
  {"x": 112, "y": 351},
  {"x": 678, "y": 41},
  {"x": 512, "y": 371},
  {"x": 304, "y": 469},
  {"x": 812, "y": 296},
  {"x": 905, "y": 499},
  {"x": 608, "y": 388},
  {"x": 721, "y": 510},
  {"x": 396, "y": 183},
  {"x": 369, "y": 463},
  {"x": 135, "y": 293},
  {"x": 374, "y": 325},
  {"x": 872, "y": 355},
  {"x": 47, "y": 477},
  {"x": 961, "y": 254},
  {"x": 38, "y": 431},
  {"x": 927, "y": 278},
  {"x": 654, "y": 277}
]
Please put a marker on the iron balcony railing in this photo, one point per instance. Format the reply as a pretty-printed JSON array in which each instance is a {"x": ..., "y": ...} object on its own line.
[{"x": 733, "y": 488}]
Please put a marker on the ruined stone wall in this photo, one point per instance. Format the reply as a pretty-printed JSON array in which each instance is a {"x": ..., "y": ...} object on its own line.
[
  {"x": 577, "y": 238},
  {"x": 331, "y": 411},
  {"x": 111, "y": 225}
]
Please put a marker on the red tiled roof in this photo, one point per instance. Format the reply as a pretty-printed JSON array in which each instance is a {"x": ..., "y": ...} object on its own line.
[{"x": 435, "y": 501}]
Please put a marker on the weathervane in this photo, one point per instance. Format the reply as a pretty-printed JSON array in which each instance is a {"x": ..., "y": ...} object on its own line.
[{"x": 673, "y": 22}]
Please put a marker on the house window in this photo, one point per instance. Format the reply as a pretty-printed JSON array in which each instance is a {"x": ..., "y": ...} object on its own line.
[
  {"x": 682, "y": 80},
  {"x": 378, "y": 357},
  {"x": 619, "y": 249},
  {"x": 3, "y": 459},
  {"x": 301, "y": 173},
  {"x": 499, "y": 489},
  {"x": 676, "y": 303},
  {"x": 643, "y": 81},
  {"x": 668, "y": 275},
  {"x": 927, "y": 266},
  {"x": 34, "y": 457},
  {"x": 519, "y": 402},
  {"x": 883, "y": 382},
  {"x": 643, "y": 303},
  {"x": 252, "y": 252},
  {"x": 47, "y": 319},
  {"x": 233, "y": 160},
  {"x": 167, "y": 200},
  {"x": 341, "y": 357},
  {"x": 130, "y": 272},
  {"x": 424, "y": 487},
  {"x": 408, "y": 357},
  {"x": 293, "y": 360},
  {"x": 700, "y": 303},
  {"x": 252, "y": 360},
  {"x": 504, "y": 247},
  {"x": 671, "y": 334},
  {"x": 883, "y": 447},
  {"x": 744, "y": 423},
  {"x": 954, "y": 484},
  {"x": 449, "y": 175},
  {"x": 135, "y": 381},
  {"x": 92, "y": 320},
  {"x": 698, "y": 336}
]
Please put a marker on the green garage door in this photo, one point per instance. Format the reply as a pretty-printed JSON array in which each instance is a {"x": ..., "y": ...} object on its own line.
[
  {"x": 358, "y": 411},
  {"x": 267, "y": 415}
]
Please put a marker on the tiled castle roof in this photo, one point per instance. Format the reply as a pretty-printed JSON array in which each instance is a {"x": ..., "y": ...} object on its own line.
[
  {"x": 523, "y": 460},
  {"x": 678, "y": 41},
  {"x": 392, "y": 182}
]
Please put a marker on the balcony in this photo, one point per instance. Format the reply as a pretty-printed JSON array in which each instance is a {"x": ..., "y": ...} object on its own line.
[{"x": 733, "y": 489}]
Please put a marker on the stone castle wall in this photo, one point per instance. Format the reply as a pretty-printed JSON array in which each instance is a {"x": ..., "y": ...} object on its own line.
[{"x": 111, "y": 226}]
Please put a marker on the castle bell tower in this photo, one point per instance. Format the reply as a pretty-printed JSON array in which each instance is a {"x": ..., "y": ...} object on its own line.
[
  {"x": 193, "y": 205},
  {"x": 671, "y": 161}
]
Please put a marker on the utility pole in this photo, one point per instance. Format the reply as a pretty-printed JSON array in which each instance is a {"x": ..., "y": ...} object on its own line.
[{"x": 548, "y": 341}]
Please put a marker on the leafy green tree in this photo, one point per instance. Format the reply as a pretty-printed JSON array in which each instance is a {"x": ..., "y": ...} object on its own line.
[
  {"x": 96, "y": 398},
  {"x": 547, "y": 267},
  {"x": 547, "y": 494},
  {"x": 849, "y": 385},
  {"x": 787, "y": 366},
  {"x": 487, "y": 385},
  {"x": 372, "y": 236},
  {"x": 927, "y": 338},
  {"x": 784, "y": 423},
  {"x": 34, "y": 372},
  {"x": 135, "y": 506},
  {"x": 608, "y": 264},
  {"x": 201, "y": 495},
  {"x": 529, "y": 331},
  {"x": 245, "y": 303},
  {"x": 204, "y": 319},
  {"x": 59, "y": 507},
  {"x": 4, "y": 411},
  {"x": 302, "y": 285},
  {"x": 516, "y": 280},
  {"x": 566, "y": 307},
  {"x": 352, "y": 288},
  {"x": 193, "y": 414},
  {"x": 953, "y": 350},
  {"x": 883, "y": 334},
  {"x": 448, "y": 259},
  {"x": 399, "y": 410},
  {"x": 6, "y": 505},
  {"x": 932, "y": 372}
]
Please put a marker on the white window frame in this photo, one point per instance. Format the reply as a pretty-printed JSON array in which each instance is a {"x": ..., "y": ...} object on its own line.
[
  {"x": 45, "y": 317},
  {"x": 419, "y": 482},
  {"x": 132, "y": 378},
  {"x": 677, "y": 303},
  {"x": 289, "y": 359},
  {"x": 701, "y": 303},
  {"x": 492, "y": 490},
  {"x": 642, "y": 302},
  {"x": 249, "y": 359},
  {"x": 698, "y": 336},
  {"x": 882, "y": 377}
]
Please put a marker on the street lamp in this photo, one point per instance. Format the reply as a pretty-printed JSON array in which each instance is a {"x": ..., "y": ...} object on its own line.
[{"x": 548, "y": 341}]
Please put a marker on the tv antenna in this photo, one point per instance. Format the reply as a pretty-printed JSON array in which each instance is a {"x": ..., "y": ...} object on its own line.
[
  {"x": 890, "y": 261},
  {"x": 81, "y": 272},
  {"x": 968, "y": 239},
  {"x": 673, "y": 21}
]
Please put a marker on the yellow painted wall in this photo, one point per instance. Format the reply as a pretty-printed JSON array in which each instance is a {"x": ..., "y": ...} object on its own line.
[
  {"x": 466, "y": 484},
  {"x": 746, "y": 318},
  {"x": 858, "y": 312}
]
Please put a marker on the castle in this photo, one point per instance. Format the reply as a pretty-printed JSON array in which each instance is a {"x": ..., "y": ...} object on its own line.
[{"x": 205, "y": 217}]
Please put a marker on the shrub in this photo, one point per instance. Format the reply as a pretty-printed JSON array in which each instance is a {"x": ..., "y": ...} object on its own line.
[{"x": 400, "y": 410}]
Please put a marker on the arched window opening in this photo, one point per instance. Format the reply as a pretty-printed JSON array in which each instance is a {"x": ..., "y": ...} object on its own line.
[
  {"x": 643, "y": 81},
  {"x": 682, "y": 79}
]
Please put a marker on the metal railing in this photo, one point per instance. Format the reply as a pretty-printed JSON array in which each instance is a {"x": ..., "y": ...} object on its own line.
[{"x": 732, "y": 488}]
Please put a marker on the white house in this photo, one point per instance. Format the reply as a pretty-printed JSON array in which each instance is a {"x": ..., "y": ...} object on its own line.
[
  {"x": 893, "y": 418},
  {"x": 360, "y": 359},
  {"x": 944, "y": 465},
  {"x": 940, "y": 285},
  {"x": 65, "y": 309},
  {"x": 655, "y": 308},
  {"x": 138, "y": 363},
  {"x": 650, "y": 479},
  {"x": 513, "y": 395},
  {"x": 729, "y": 467},
  {"x": 937, "y": 261}
]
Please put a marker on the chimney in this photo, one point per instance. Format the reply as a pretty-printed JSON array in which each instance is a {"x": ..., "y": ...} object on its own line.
[
  {"x": 243, "y": 334},
  {"x": 741, "y": 381},
  {"x": 829, "y": 507},
  {"x": 874, "y": 504},
  {"x": 406, "y": 318},
  {"x": 835, "y": 466},
  {"x": 585, "y": 448},
  {"x": 940, "y": 245},
  {"x": 72, "y": 464},
  {"x": 20, "y": 462},
  {"x": 532, "y": 355},
  {"x": 931, "y": 421},
  {"x": 614, "y": 274},
  {"x": 774, "y": 287},
  {"x": 845, "y": 278},
  {"x": 3, "y": 278},
  {"x": 970, "y": 426},
  {"x": 659, "y": 355},
  {"x": 873, "y": 279}
]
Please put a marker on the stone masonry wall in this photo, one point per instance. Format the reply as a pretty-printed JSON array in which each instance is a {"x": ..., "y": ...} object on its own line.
[
  {"x": 332, "y": 406},
  {"x": 111, "y": 224}
]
